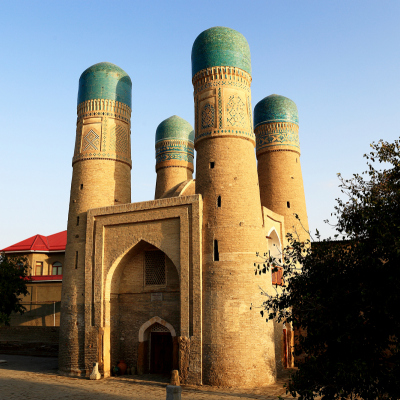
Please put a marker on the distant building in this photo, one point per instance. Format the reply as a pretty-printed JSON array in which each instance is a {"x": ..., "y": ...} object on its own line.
[{"x": 45, "y": 256}]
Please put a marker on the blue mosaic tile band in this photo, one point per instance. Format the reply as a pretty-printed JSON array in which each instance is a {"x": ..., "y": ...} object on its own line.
[
  {"x": 220, "y": 46},
  {"x": 174, "y": 156},
  {"x": 175, "y": 128},
  {"x": 277, "y": 135},
  {"x": 105, "y": 81},
  {"x": 175, "y": 146},
  {"x": 275, "y": 108}
]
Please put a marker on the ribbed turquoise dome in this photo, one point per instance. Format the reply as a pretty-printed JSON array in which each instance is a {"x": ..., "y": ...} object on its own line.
[
  {"x": 220, "y": 46},
  {"x": 105, "y": 81},
  {"x": 175, "y": 128},
  {"x": 275, "y": 108}
]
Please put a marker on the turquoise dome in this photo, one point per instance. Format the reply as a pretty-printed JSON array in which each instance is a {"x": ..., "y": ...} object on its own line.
[
  {"x": 275, "y": 108},
  {"x": 220, "y": 46},
  {"x": 175, "y": 128},
  {"x": 105, "y": 81}
]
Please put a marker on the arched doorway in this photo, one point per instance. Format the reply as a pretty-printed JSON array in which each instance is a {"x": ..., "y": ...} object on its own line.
[
  {"x": 161, "y": 350},
  {"x": 158, "y": 347}
]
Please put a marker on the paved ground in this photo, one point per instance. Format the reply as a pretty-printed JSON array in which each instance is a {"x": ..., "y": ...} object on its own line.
[{"x": 35, "y": 378}]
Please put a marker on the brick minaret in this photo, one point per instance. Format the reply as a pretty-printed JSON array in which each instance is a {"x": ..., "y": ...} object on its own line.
[
  {"x": 101, "y": 177},
  {"x": 276, "y": 125},
  {"x": 238, "y": 347},
  {"x": 174, "y": 154}
]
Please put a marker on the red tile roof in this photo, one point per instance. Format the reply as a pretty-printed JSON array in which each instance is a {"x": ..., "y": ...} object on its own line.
[{"x": 40, "y": 243}]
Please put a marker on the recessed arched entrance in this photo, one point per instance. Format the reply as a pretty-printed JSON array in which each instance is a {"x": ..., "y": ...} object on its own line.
[{"x": 144, "y": 283}]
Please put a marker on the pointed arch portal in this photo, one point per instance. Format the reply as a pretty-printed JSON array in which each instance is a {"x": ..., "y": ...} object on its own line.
[{"x": 116, "y": 238}]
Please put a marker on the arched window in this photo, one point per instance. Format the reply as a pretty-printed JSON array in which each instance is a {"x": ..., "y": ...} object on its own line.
[
  {"x": 57, "y": 268},
  {"x": 275, "y": 252}
]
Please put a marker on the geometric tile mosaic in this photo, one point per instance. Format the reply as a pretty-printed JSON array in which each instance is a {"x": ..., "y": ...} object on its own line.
[
  {"x": 91, "y": 141},
  {"x": 122, "y": 140},
  {"x": 207, "y": 116},
  {"x": 236, "y": 111}
]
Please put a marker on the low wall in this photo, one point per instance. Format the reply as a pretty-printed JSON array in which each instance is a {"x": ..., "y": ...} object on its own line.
[{"x": 29, "y": 340}]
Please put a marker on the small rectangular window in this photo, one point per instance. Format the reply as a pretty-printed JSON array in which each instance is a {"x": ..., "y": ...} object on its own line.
[
  {"x": 154, "y": 268},
  {"x": 212, "y": 164},
  {"x": 81, "y": 186},
  {"x": 277, "y": 276},
  {"x": 77, "y": 221},
  {"x": 76, "y": 260},
  {"x": 219, "y": 201},
  {"x": 39, "y": 268},
  {"x": 216, "y": 252}
]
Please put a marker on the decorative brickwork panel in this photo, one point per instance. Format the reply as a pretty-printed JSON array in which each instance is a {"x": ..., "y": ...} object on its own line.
[
  {"x": 105, "y": 134},
  {"x": 91, "y": 141},
  {"x": 154, "y": 268},
  {"x": 250, "y": 114},
  {"x": 219, "y": 109},
  {"x": 207, "y": 116},
  {"x": 121, "y": 140},
  {"x": 236, "y": 112}
]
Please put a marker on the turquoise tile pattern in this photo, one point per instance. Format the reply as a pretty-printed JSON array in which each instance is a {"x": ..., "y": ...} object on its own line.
[
  {"x": 105, "y": 81},
  {"x": 174, "y": 140},
  {"x": 280, "y": 136},
  {"x": 175, "y": 128},
  {"x": 275, "y": 108},
  {"x": 220, "y": 46}
]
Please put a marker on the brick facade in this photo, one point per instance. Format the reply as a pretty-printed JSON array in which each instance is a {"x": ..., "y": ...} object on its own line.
[{"x": 207, "y": 231}]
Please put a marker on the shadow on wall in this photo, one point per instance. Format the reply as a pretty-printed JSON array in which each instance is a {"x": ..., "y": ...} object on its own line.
[{"x": 38, "y": 314}]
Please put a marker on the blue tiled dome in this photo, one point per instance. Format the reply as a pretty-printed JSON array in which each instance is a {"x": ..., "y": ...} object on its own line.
[
  {"x": 275, "y": 108},
  {"x": 105, "y": 81},
  {"x": 220, "y": 46},
  {"x": 175, "y": 128}
]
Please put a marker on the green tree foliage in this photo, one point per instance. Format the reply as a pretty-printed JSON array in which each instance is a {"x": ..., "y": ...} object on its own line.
[
  {"x": 344, "y": 302},
  {"x": 13, "y": 280}
]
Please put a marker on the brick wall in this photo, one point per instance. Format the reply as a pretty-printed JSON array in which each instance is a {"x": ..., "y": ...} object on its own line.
[{"x": 29, "y": 340}]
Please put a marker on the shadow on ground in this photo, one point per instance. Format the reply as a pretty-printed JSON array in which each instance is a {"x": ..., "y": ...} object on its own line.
[{"x": 130, "y": 387}]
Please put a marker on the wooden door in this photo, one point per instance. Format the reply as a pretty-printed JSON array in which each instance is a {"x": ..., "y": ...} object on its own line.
[{"x": 161, "y": 353}]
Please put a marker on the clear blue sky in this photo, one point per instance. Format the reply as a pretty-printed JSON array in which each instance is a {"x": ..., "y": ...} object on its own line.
[{"x": 338, "y": 60}]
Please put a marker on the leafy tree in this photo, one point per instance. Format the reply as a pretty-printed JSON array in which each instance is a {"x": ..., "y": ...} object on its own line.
[
  {"x": 344, "y": 301},
  {"x": 13, "y": 280}
]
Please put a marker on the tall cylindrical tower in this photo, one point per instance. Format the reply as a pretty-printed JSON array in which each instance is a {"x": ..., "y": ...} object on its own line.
[
  {"x": 101, "y": 177},
  {"x": 276, "y": 125},
  {"x": 174, "y": 153},
  {"x": 238, "y": 347}
]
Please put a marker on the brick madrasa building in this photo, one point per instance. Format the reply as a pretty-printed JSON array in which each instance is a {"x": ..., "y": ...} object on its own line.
[{"x": 168, "y": 283}]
